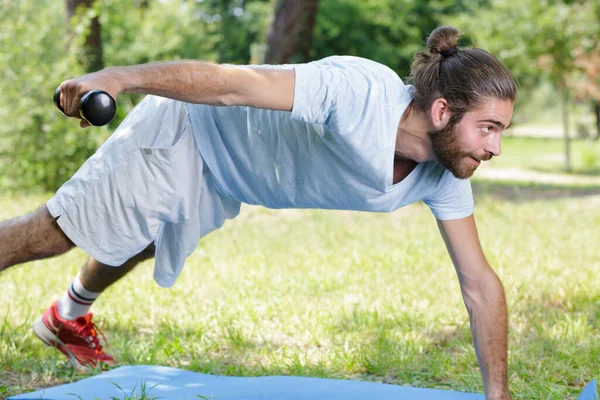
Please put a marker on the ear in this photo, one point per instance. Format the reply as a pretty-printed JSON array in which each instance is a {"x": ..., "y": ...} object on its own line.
[{"x": 440, "y": 113}]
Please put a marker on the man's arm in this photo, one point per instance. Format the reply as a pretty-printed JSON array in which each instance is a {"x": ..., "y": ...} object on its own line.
[
  {"x": 189, "y": 81},
  {"x": 483, "y": 295}
]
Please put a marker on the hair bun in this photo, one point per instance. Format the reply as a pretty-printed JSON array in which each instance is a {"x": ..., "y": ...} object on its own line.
[
  {"x": 449, "y": 52},
  {"x": 443, "y": 40}
]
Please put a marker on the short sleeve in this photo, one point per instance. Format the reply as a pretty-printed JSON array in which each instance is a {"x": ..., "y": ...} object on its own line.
[
  {"x": 453, "y": 198},
  {"x": 339, "y": 92}
]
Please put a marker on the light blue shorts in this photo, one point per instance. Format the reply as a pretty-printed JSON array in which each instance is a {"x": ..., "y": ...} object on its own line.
[{"x": 147, "y": 183}]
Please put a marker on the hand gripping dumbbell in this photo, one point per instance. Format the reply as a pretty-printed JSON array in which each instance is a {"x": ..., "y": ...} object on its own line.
[{"x": 96, "y": 106}]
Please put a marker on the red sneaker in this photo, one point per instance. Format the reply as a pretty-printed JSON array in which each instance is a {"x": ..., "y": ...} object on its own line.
[{"x": 77, "y": 339}]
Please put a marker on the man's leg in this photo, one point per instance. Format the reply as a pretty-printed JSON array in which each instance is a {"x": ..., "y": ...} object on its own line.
[
  {"x": 93, "y": 278},
  {"x": 67, "y": 324},
  {"x": 31, "y": 237}
]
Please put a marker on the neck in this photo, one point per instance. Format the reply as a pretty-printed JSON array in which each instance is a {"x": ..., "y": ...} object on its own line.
[{"x": 412, "y": 140}]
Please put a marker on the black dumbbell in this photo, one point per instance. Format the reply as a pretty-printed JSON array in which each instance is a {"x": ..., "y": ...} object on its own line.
[{"x": 96, "y": 106}]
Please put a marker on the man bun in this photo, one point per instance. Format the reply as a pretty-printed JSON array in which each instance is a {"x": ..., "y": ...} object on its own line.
[{"x": 442, "y": 38}]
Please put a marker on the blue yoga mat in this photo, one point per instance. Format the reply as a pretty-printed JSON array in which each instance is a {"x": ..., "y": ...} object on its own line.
[{"x": 172, "y": 383}]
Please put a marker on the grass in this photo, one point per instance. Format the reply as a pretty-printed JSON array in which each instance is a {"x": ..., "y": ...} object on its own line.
[
  {"x": 548, "y": 155},
  {"x": 339, "y": 295}
]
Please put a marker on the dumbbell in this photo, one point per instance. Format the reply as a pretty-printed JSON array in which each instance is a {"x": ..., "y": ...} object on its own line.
[{"x": 96, "y": 106}]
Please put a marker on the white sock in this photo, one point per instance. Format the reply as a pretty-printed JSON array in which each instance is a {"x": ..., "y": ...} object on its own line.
[{"x": 76, "y": 301}]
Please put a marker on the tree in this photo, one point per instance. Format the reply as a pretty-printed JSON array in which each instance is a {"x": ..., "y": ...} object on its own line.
[
  {"x": 91, "y": 57},
  {"x": 587, "y": 84},
  {"x": 234, "y": 25},
  {"x": 291, "y": 34},
  {"x": 386, "y": 31}
]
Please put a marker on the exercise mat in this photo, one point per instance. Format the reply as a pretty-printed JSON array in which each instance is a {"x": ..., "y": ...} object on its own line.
[{"x": 155, "y": 382}]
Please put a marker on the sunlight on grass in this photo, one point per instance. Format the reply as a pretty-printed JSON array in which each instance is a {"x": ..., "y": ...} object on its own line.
[
  {"x": 548, "y": 155},
  {"x": 338, "y": 294}
]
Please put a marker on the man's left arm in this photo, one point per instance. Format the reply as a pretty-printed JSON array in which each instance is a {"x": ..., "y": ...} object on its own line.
[{"x": 483, "y": 295}]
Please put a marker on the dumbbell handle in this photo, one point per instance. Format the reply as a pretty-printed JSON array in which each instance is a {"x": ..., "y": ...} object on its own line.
[{"x": 96, "y": 106}]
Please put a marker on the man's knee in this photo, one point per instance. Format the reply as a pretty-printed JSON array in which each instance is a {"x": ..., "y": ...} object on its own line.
[
  {"x": 47, "y": 238},
  {"x": 31, "y": 237}
]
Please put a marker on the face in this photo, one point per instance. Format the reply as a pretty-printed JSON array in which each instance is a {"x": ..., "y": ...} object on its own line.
[{"x": 461, "y": 146}]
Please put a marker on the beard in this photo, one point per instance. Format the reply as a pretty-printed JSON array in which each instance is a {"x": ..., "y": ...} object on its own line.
[{"x": 449, "y": 152}]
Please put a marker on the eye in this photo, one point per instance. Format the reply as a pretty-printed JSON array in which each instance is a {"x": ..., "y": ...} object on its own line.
[{"x": 486, "y": 129}]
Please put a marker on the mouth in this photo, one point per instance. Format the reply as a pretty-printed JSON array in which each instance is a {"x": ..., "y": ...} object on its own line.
[{"x": 475, "y": 161}]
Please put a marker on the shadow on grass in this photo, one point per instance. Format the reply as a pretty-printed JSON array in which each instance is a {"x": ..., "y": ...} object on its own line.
[
  {"x": 521, "y": 192},
  {"x": 591, "y": 171}
]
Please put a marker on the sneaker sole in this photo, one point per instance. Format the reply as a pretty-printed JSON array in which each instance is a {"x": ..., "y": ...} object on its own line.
[{"x": 47, "y": 336}]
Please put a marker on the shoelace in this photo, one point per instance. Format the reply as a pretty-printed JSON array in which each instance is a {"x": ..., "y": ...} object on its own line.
[{"x": 90, "y": 331}]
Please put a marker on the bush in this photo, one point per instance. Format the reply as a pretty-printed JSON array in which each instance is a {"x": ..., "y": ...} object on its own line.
[{"x": 40, "y": 148}]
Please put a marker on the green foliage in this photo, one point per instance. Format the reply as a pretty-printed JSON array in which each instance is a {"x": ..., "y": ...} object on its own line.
[
  {"x": 534, "y": 38},
  {"x": 238, "y": 24},
  {"x": 40, "y": 148},
  {"x": 387, "y": 31},
  {"x": 162, "y": 31}
]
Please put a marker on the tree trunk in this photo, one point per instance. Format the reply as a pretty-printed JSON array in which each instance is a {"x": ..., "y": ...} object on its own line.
[
  {"x": 291, "y": 33},
  {"x": 91, "y": 58},
  {"x": 596, "y": 105},
  {"x": 565, "y": 98}
]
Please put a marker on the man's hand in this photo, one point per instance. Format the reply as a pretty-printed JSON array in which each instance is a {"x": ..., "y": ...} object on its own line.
[{"x": 72, "y": 91}]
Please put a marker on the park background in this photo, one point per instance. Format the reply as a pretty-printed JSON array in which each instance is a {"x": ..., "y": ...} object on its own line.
[{"x": 308, "y": 292}]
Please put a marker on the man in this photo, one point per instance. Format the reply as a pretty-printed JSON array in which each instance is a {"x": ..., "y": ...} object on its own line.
[{"x": 339, "y": 133}]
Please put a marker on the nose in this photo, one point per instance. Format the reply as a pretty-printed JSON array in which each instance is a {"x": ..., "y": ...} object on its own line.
[{"x": 493, "y": 145}]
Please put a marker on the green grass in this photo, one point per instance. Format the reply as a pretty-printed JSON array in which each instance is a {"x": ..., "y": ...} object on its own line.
[
  {"x": 340, "y": 295},
  {"x": 548, "y": 155}
]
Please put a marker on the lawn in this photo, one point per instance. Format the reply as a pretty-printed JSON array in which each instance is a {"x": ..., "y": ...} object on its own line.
[
  {"x": 548, "y": 155},
  {"x": 342, "y": 295}
]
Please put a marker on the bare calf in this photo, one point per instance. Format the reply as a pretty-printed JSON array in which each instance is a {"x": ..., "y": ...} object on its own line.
[
  {"x": 96, "y": 277},
  {"x": 33, "y": 236}
]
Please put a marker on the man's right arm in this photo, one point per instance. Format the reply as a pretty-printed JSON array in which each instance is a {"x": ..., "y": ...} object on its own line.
[
  {"x": 483, "y": 295},
  {"x": 189, "y": 81}
]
